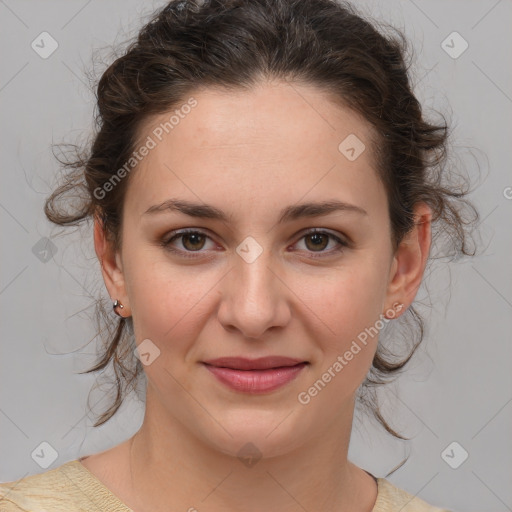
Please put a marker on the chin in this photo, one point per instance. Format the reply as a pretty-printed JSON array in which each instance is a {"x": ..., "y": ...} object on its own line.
[{"x": 256, "y": 434}]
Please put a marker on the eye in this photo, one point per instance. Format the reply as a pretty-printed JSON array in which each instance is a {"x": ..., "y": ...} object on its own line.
[
  {"x": 317, "y": 240},
  {"x": 193, "y": 240}
]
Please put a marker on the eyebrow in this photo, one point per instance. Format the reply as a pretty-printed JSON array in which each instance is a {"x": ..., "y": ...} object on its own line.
[{"x": 293, "y": 212}]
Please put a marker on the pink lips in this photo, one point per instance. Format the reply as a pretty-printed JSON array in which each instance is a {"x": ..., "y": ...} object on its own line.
[{"x": 255, "y": 375}]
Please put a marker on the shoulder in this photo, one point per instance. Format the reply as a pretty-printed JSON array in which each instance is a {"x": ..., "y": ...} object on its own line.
[
  {"x": 391, "y": 498},
  {"x": 68, "y": 487}
]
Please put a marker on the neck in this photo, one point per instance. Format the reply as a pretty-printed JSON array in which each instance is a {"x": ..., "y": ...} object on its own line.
[{"x": 169, "y": 465}]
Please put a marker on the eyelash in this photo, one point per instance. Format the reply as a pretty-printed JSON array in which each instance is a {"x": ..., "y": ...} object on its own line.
[{"x": 166, "y": 243}]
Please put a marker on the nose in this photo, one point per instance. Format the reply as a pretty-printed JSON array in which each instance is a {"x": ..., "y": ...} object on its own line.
[{"x": 254, "y": 297}]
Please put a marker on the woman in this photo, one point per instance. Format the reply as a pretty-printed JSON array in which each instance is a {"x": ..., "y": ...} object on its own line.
[{"x": 263, "y": 187}]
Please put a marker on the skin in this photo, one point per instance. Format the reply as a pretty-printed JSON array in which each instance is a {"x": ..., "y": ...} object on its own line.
[{"x": 251, "y": 153}]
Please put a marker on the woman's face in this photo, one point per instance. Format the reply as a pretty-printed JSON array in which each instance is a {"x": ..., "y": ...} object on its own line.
[{"x": 256, "y": 284}]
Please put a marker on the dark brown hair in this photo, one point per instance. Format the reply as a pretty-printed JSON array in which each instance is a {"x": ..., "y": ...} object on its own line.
[{"x": 188, "y": 45}]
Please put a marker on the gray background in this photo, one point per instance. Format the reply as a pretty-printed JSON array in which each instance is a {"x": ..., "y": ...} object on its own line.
[{"x": 458, "y": 387}]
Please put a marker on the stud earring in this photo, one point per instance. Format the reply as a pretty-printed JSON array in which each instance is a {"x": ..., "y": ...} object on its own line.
[
  {"x": 397, "y": 307},
  {"x": 115, "y": 305}
]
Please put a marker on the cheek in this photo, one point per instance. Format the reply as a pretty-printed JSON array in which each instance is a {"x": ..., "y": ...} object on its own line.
[
  {"x": 167, "y": 301},
  {"x": 351, "y": 302},
  {"x": 168, "y": 307},
  {"x": 352, "y": 314},
  {"x": 350, "y": 306}
]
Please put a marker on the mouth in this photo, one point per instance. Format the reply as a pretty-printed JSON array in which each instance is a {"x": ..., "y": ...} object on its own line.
[{"x": 255, "y": 376}]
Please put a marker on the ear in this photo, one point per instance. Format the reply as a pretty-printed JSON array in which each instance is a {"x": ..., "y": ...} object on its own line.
[
  {"x": 111, "y": 266},
  {"x": 410, "y": 260}
]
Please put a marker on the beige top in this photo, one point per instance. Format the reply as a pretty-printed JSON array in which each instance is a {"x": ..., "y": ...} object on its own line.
[{"x": 72, "y": 487}]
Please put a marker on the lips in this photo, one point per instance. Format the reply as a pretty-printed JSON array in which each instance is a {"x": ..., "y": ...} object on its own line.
[
  {"x": 262, "y": 363},
  {"x": 255, "y": 376}
]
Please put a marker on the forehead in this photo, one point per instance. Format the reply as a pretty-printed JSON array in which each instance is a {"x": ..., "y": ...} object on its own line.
[{"x": 276, "y": 142}]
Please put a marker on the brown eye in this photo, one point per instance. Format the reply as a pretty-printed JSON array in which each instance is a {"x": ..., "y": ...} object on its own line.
[
  {"x": 186, "y": 242},
  {"x": 318, "y": 241},
  {"x": 192, "y": 241}
]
